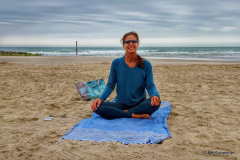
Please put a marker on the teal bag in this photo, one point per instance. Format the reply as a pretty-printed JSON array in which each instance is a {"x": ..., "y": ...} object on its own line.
[
  {"x": 95, "y": 88},
  {"x": 90, "y": 90}
]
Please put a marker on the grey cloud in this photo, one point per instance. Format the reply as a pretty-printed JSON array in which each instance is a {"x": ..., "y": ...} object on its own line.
[{"x": 95, "y": 18}]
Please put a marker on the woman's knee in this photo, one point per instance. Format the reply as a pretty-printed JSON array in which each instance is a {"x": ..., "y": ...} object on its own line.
[
  {"x": 99, "y": 109},
  {"x": 103, "y": 108},
  {"x": 155, "y": 108},
  {"x": 151, "y": 109},
  {"x": 144, "y": 108}
]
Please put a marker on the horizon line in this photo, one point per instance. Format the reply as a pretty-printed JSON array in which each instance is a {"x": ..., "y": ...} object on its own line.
[{"x": 122, "y": 47}]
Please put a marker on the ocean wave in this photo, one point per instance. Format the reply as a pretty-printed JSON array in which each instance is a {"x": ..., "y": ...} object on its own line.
[{"x": 228, "y": 53}]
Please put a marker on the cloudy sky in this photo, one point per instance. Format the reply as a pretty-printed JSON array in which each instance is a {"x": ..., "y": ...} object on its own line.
[{"x": 166, "y": 23}]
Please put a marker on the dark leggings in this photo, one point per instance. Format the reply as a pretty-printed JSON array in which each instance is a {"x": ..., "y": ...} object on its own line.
[{"x": 112, "y": 110}]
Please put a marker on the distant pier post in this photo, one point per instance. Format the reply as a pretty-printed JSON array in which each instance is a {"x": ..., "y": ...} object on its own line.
[{"x": 76, "y": 48}]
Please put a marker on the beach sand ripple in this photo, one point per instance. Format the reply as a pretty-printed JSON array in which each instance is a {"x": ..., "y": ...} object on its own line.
[{"x": 205, "y": 112}]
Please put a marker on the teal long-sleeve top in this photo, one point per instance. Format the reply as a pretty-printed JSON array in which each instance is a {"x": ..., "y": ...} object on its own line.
[{"x": 131, "y": 82}]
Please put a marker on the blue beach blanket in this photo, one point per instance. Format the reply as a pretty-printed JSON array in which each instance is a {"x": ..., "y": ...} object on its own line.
[{"x": 125, "y": 130}]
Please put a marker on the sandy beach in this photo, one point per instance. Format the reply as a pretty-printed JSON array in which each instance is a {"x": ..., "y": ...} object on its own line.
[{"x": 204, "y": 97}]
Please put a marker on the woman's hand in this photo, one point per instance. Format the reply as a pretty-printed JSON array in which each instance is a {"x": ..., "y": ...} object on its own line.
[
  {"x": 96, "y": 104},
  {"x": 155, "y": 101}
]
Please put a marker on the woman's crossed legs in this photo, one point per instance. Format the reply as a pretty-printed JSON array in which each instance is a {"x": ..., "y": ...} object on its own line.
[{"x": 112, "y": 110}]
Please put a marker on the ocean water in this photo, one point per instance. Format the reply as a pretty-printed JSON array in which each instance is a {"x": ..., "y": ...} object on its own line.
[{"x": 194, "y": 53}]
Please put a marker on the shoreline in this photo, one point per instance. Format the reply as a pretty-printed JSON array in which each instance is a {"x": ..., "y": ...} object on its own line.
[{"x": 87, "y": 59}]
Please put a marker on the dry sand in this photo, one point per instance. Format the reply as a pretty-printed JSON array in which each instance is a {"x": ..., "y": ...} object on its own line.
[{"x": 205, "y": 100}]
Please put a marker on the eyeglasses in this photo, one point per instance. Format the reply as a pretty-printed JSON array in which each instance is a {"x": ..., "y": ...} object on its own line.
[{"x": 128, "y": 41}]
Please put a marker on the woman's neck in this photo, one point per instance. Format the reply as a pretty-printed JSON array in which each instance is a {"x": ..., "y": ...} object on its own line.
[{"x": 131, "y": 58}]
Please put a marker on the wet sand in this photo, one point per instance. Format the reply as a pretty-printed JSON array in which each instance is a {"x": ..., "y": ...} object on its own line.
[
  {"x": 86, "y": 60},
  {"x": 205, "y": 100}
]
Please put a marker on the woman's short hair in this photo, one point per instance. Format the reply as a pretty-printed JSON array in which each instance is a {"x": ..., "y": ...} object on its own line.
[{"x": 128, "y": 34}]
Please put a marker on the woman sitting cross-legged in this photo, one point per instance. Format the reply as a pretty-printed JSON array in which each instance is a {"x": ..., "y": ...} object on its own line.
[{"x": 133, "y": 75}]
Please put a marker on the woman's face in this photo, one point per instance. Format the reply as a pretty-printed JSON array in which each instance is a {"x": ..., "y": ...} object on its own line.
[{"x": 131, "y": 47}]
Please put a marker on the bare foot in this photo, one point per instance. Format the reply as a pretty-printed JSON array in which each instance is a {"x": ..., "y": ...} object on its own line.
[{"x": 141, "y": 116}]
